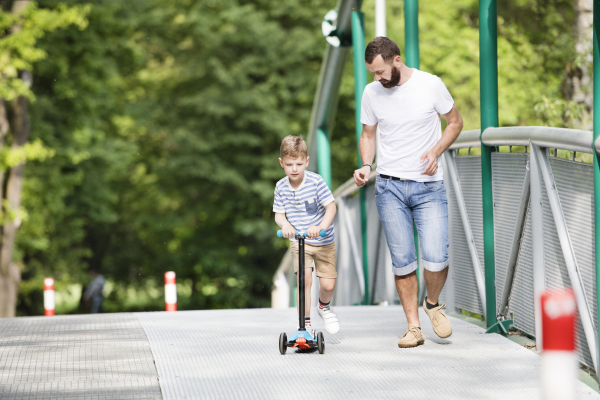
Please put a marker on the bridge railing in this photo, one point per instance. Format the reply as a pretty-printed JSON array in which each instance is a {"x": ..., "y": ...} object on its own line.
[{"x": 543, "y": 193}]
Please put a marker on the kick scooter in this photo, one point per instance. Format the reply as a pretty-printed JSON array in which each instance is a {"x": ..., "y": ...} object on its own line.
[{"x": 301, "y": 338}]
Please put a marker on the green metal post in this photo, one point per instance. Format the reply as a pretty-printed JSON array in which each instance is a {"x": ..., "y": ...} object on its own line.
[
  {"x": 360, "y": 81},
  {"x": 596, "y": 161},
  {"x": 411, "y": 44},
  {"x": 488, "y": 63},
  {"x": 324, "y": 155},
  {"x": 411, "y": 33}
]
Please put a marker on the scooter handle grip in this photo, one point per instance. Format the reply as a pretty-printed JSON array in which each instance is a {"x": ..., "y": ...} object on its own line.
[{"x": 322, "y": 233}]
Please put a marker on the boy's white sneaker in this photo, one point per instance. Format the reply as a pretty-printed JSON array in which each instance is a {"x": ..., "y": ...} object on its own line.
[
  {"x": 310, "y": 330},
  {"x": 332, "y": 324}
]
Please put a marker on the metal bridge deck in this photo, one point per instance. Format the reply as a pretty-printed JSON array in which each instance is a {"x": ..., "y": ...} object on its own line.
[{"x": 233, "y": 354}]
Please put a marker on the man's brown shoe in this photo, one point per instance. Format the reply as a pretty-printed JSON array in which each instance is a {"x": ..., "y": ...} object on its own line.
[
  {"x": 413, "y": 337},
  {"x": 439, "y": 320}
]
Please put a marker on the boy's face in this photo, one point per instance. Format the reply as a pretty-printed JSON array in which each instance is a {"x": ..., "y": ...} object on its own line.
[{"x": 294, "y": 167}]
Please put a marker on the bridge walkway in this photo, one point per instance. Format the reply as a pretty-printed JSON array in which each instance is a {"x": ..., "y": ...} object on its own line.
[{"x": 233, "y": 354}]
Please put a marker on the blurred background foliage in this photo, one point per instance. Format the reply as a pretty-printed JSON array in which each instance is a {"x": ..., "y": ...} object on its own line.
[{"x": 158, "y": 124}]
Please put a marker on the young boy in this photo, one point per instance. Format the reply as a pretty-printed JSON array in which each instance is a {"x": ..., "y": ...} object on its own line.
[{"x": 304, "y": 202}]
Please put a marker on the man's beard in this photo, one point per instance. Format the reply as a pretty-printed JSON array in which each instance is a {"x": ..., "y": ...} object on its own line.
[{"x": 394, "y": 80}]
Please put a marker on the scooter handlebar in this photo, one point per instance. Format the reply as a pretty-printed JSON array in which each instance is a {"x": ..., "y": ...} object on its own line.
[{"x": 322, "y": 233}]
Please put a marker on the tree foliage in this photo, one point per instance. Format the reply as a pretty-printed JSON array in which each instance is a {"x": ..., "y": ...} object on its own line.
[{"x": 163, "y": 121}]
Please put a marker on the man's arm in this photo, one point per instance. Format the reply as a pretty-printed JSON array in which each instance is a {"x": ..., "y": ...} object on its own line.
[
  {"x": 366, "y": 146},
  {"x": 453, "y": 128}
]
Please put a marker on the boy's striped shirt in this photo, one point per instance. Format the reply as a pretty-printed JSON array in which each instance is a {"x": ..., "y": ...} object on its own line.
[{"x": 305, "y": 207}]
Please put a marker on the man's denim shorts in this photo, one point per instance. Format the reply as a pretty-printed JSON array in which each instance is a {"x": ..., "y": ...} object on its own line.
[{"x": 401, "y": 202}]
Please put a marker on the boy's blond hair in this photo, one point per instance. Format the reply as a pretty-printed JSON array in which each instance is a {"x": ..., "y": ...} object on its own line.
[{"x": 293, "y": 147}]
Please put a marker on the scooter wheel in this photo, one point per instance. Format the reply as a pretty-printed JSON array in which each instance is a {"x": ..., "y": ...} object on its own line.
[
  {"x": 320, "y": 343},
  {"x": 283, "y": 343}
]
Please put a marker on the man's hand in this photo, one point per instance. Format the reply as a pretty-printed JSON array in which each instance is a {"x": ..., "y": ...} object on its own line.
[
  {"x": 361, "y": 176},
  {"x": 288, "y": 231},
  {"x": 432, "y": 165},
  {"x": 313, "y": 232}
]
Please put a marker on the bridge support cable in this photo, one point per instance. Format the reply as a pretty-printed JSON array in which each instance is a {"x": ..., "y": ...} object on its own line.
[
  {"x": 326, "y": 99},
  {"x": 467, "y": 227},
  {"x": 569, "y": 254}
]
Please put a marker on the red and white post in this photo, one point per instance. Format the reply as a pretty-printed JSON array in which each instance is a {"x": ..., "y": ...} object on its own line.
[
  {"x": 49, "y": 297},
  {"x": 559, "y": 359},
  {"x": 170, "y": 292}
]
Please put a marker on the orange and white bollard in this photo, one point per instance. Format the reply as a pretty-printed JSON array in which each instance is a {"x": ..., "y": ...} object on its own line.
[
  {"x": 170, "y": 292},
  {"x": 49, "y": 297},
  {"x": 559, "y": 359}
]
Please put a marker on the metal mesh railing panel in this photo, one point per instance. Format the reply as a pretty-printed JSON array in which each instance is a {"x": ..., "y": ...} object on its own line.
[
  {"x": 379, "y": 282},
  {"x": 508, "y": 175},
  {"x": 521, "y": 299},
  {"x": 574, "y": 182},
  {"x": 466, "y": 293},
  {"x": 376, "y": 249},
  {"x": 348, "y": 290},
  {"x": 575, "y": 186}
]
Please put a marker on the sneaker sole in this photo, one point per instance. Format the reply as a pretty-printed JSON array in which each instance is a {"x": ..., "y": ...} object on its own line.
[
  {"x": 409, "y": 346},
  {"x": 443, "y": 337},
  {"x": 331, "y": 332}
]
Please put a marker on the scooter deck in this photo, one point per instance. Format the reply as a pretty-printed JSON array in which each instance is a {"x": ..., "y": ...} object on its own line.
[{"x": 302, "y": 340}]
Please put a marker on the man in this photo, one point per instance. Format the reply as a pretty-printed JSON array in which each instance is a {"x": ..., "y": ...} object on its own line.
[
  {"x": 93, "y": 293},
  {"x": 406, "y": 104}
]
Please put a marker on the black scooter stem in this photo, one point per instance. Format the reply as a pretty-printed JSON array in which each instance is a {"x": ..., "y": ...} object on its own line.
[{"x": 301, "y": 294}]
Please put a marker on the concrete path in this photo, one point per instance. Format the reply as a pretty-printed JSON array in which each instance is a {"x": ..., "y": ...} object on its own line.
[{"x": 233, "y": 354}]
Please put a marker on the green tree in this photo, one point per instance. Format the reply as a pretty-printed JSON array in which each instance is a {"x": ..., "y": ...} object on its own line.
[
  {"x": 166, "y": 119},
  {"x": 22, "y": 24}
]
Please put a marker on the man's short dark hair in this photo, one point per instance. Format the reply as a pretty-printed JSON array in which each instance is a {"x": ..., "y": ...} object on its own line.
[{"x": 384, "y": 46}]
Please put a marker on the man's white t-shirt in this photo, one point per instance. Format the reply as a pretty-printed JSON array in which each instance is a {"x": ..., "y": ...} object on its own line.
[{"x": 409, "y": 123}]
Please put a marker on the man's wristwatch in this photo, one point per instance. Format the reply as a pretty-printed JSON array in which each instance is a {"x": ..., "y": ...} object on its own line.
[{"x": 370, "y": 168}]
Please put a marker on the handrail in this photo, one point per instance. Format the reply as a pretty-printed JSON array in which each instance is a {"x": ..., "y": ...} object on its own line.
[
  {"x": 567, "y": 139},
  {"x": 561, "y": 138},
  {"x": 466, "y": 139}
]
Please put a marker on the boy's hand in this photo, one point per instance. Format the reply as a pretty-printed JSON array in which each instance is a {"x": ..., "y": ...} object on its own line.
[
  {"x": 361, "y": 176},
  {"x": 288, "y": 231},
  {"x": 313, "y": 232}
]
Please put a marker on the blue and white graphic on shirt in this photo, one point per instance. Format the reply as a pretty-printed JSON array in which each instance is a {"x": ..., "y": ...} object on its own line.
[{"x": 305, "y": 206}]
